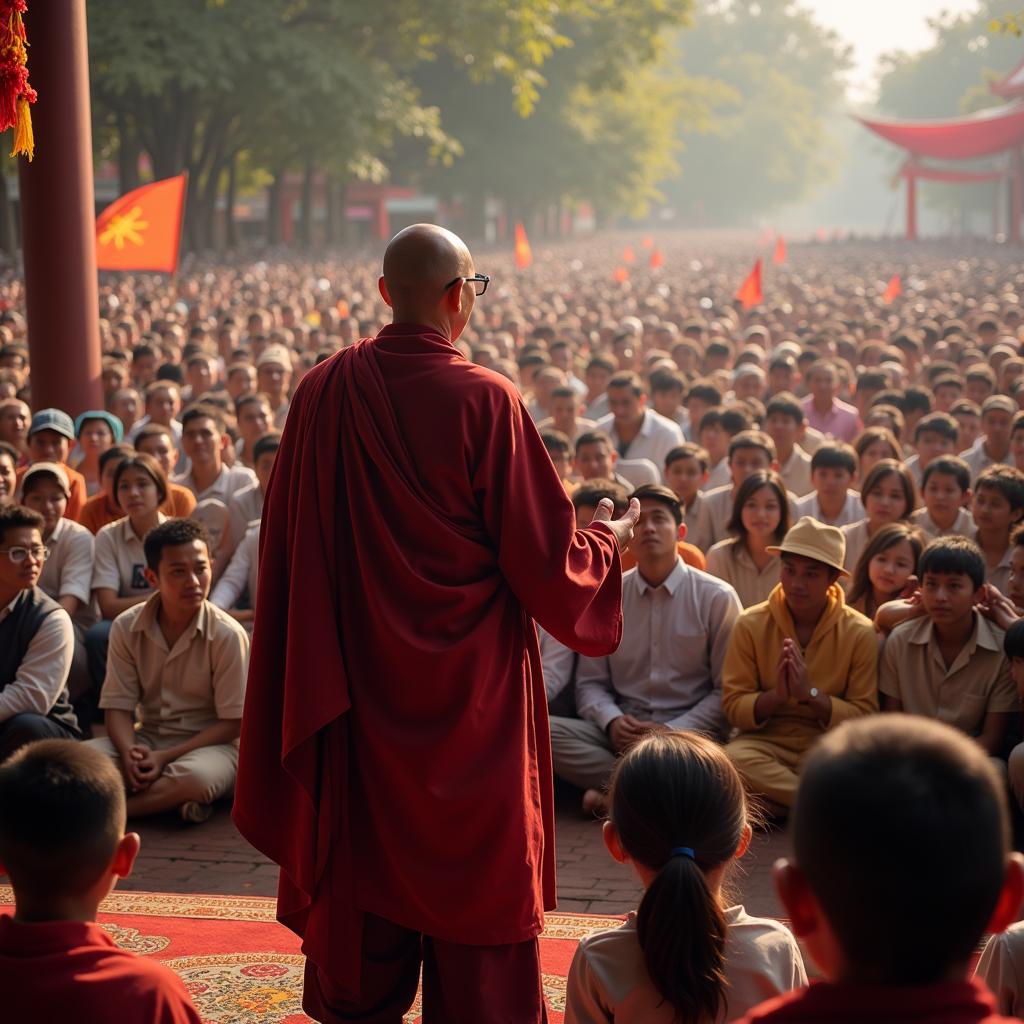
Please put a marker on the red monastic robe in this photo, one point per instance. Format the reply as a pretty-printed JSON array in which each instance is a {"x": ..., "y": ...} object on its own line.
[{"x": 395, "y": 755}]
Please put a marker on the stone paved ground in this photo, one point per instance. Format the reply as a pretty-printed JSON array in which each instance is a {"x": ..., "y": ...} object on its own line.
[{"x": 213, "y": 858}]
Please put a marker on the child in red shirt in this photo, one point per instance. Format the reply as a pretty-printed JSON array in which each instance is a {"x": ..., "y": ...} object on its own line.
[
  {"x": 63, "y": 845},
  {"x": 901, "y": 839}
]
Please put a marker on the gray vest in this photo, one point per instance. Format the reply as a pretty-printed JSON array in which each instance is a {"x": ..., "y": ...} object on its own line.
[{"x": 16, "y": 633}]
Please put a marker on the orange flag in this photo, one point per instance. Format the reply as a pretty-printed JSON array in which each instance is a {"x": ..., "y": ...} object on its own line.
[
  {"x": 749, "y": 293},
  {"x": 621, "y": 274},
  {"x": 893, "y": 288},
  {"x": 657, "y": 260},
  {"x": 780, "y": 250},
  {"x": 524, "y": 255},
  {"x": 647, "y": 242},
  {"x": 628, "y": 256},
  {"x": 142, "y": 230}
]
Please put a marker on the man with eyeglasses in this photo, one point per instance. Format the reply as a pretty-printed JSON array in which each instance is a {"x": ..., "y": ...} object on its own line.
[
  {"x": 395, "y": 755},
  {"x": 37, "y": 640}
]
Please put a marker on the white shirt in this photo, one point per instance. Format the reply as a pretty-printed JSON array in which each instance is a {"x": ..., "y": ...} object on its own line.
[
  {"x": 241, "y": 574},
  {"x": 851, "y": 512},
  {"x": 229, "y": 482},
  {"x": 43, "y": 670},
  {"x": 668, "y": 667},
  {"x": 68, "y": 570},
  {"x": 608, "y": 980},
  {"x": 557, "y": 661},
  {"x": 120, "y": 560},
  {"x": 963, "y": 525},
  {"x": 245, "y": 506},
  {"x": 656, "y": 438},
  {"x": 978, "y": 459}
]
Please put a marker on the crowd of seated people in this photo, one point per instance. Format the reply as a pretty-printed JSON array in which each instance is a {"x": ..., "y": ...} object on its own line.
[{"x": 830, "y": 553}]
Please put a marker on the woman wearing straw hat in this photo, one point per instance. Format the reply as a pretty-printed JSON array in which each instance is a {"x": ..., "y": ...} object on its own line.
[{"x": 797, "y": 664}]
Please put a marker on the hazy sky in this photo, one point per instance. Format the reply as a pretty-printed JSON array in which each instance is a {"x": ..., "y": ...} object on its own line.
[{"x": 873, "y": 27}]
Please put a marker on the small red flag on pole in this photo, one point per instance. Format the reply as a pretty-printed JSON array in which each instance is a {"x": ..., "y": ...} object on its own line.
[
  {"x": 893, "y": 289},
  {"x": 621, "y": 274},
  {"x": 524, "y": 255},
  {"x": 749, "y": 293},
  {"x": 628, "y": 256},
  {"x": 647, "y": 242},
  {"x": 779, "y": 256},
  {"x": 657, "y": 260}
]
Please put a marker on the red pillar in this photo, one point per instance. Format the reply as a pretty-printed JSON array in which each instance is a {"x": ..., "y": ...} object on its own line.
[
  {"x": 58, "y": 216},
  {"x": 383, "y": 220},
  {"x": 911, "y": 204},
  {"x": 1015, "y": 195}
]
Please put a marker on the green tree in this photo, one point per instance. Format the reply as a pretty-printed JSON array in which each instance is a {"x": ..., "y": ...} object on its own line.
[{"x": 773, "y": 143}]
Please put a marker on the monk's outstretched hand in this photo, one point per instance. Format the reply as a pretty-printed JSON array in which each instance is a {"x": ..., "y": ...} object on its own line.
[{"x": 622, "y": 528}]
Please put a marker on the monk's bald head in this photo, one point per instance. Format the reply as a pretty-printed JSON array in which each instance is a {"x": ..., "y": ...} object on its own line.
[{"x": 420, "y": 260}]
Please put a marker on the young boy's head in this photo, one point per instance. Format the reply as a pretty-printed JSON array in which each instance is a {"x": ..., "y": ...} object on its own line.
[
  {"x": 968, "y": 418},
  {"x": 833, "y": 467},
  {"x": 901, "y": 853},
  {"x": 264, "y": 455},
  {"x": 997, "y": 422},
  {"x": 784, "y": 422},
  {"x": 945, "y": 486},
  {"x": 749, "y": 451},
  {"x": 587, "y": 497},
  {"x": 998, "y": 499},
  {"x": 203, "y": 435},
  {"x": 559, "y": 448},
  {"x": 718, "y": 427},
  {"x": 595, "y": 456},
  {"x": 178, "y": 565},
  {"x": 952, "y": 573},
  {"x": 1013, "y": 648},
  {"x": 686, "y": 470},
  {"x": 935, "y": 435},
  {"x": 700, "y": 398},
  {"x": 62, "y": 818}
]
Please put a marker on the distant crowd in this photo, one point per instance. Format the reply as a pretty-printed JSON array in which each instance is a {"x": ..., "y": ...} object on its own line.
[{"x": 830, "y": 542}]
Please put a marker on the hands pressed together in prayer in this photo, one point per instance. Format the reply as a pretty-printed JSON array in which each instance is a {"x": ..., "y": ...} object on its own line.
[{"x": 623, "y": 527}]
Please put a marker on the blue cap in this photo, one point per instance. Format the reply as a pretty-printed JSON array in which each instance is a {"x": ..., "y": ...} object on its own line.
[
  {"x": 53, "y": 419},
  {"x": 116, "y": 426}
]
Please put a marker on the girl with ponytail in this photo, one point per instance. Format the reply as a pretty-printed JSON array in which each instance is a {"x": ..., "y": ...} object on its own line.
[{"x": 679, "y": 814}]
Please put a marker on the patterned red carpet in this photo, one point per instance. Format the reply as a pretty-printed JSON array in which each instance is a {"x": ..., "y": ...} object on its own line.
[{"x": 242, "y": 967}]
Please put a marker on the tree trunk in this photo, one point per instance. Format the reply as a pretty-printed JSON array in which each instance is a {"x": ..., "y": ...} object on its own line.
[
  {"x": 128, "y": 152},
  {"x": 274, "y": 208},
  {"x": 331, "y": 210},
  {"x": 230, "y": 227},
  {"x": 306, "y": 217}
]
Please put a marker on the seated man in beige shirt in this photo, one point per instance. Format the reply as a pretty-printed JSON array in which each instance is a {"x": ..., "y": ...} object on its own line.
[
  {"x": 949, "y": 663},
  {"x": 182, "y": 662}
]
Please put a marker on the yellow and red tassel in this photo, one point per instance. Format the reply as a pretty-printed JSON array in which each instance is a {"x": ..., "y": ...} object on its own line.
[{"x": 15, "y": 92}]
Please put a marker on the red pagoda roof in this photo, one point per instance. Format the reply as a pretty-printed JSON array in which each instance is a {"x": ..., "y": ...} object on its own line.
[
  {"x": 957, "y": 138},
  {"x": 1012, "y": 86}
]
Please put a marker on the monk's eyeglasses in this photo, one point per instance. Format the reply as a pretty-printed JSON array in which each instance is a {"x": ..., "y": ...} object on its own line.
[{"x": 481, "y": 281}]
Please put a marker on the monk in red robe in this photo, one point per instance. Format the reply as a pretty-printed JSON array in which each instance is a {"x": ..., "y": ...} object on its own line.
[{"x": 395, "y": 754}]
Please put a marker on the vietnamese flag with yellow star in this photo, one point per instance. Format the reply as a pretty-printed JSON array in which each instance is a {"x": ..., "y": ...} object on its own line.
[{"x": 142, "y": 229}]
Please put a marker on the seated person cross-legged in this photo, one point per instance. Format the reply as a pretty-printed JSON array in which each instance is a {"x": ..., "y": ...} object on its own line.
[
  {"x": 797, "y": 665},
  {"x": 949, "y": 664},
  {"x": 36, "y": 640},
  {"x": 666, "y": 673},
  {"x": 182, "y": 662}
]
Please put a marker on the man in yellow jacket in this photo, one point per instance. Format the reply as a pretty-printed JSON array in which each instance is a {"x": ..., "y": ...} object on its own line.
[{"x": 797, "y": 664}]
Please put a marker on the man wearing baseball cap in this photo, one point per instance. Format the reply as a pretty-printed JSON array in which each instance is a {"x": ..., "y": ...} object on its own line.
[
  {"x": 50, "y": 437},
  {"x": 797, "y": 665}
]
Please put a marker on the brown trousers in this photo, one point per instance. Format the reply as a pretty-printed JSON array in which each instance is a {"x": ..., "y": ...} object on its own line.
[{"x": 461, "y": 984}]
